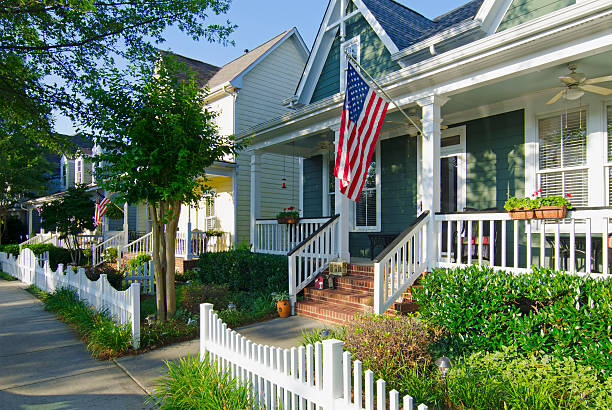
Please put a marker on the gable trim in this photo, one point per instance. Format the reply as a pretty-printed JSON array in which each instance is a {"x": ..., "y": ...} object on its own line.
[
  {"x": 382, "y": 34},
  {"x": 491, "y": 13}
]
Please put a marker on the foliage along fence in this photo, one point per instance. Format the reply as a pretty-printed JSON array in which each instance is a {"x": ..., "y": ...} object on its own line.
[
  {"x": 142, "y": 274},
  {"x": 124, "y": 306},
  {"x": 315, "y": 376}
]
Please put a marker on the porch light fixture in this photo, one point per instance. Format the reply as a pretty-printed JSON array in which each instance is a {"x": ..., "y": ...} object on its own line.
[
  {"x": 573, "y": 94},
  {"x": 444, "y": 365}
]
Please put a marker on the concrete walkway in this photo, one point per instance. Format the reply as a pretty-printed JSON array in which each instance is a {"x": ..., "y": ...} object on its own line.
[{"x": 43, "y": 364}]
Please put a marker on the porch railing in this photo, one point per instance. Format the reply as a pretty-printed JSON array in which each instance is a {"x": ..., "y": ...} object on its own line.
[
  {"x": 144, "y": 244},
  {"x": 99, "y": 251},
  {"x": 35, "y": 240},
  {"x": 274, "y": 238},
  {"x": 201, "y": 242},
  {"x": 400, "y": 264},
  {"x": 578, "y": 244},
  {"x": 312, "y": 256}
]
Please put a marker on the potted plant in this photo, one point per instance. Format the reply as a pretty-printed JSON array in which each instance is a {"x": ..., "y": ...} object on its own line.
[
  {"x": 283, "y": 306},
  {"x": 519, "y": 208},
  {"x": 551, "y": 207},
  {"x": 288, "y": 216}
]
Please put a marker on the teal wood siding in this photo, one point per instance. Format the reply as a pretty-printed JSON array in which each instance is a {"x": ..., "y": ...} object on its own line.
[
  {"x": 495, "y": 159},
  {"x": 313, "y": 180},
  {"x": 375, "y": 58},
  {"x": 398, "y": 191},
  {"x": 521, "y": 11}
]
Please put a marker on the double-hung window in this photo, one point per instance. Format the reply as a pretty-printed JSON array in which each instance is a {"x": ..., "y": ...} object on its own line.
[
  {"x": 79, "y": 171},
  {"x": 366, "y": 211},
  {"x": 563, "y": 167},
  {"x": 609, "y": 156},
  {"x": 210, "y": 211}
]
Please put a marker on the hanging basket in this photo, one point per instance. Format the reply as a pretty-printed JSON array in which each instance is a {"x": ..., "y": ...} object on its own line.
[
  {"x": 288, "y": 220},
  {"x": 522, "y": 214},
  {"x": 551, "y": 212}
]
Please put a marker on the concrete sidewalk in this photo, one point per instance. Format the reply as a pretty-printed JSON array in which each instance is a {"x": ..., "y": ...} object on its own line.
[
  {"x": 148, "y": 368},
  {"x": 44, "y": 365}
]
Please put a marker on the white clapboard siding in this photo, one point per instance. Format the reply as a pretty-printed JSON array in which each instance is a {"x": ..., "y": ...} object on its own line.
[
  {"x": 317, "y": 376},
  {"x": 123, "y": 305}
]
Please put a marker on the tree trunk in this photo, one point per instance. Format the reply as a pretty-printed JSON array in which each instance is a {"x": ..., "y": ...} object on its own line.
[
  {"x": 171, "y": 228},
  {"x": 158, "y": 262}
]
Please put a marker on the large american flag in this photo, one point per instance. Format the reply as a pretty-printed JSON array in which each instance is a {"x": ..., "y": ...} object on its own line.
[
  {"x": 363, "y": 114},
  {"x": 100, "y": 210}
]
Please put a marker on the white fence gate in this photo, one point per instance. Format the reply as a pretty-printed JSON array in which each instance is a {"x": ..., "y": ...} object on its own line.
[
  {"x": 124, "y": 306},
  {"x": 317, "y": 376},
  {"x": 143, "y": 274}
]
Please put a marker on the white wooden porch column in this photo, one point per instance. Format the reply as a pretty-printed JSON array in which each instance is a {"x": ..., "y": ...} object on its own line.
[
  {"x": 430, "y": 169},
  {"x": 30, "y": 225},
  {"x": 125, "y": 223},
  {"x": 255, "y": 194},
  {"x": 342, "y": 207}
]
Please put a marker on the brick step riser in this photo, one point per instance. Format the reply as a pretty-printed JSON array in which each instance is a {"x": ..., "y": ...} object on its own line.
[
  {"x": 326, "y": 315},
  {"x": 355, "y": 297},
  {"x": 328, "y": 302},
  {"x": 324, "y": 318}
]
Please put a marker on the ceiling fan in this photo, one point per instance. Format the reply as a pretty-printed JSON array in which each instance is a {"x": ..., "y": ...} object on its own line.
[{"x": 575, "y": 84}]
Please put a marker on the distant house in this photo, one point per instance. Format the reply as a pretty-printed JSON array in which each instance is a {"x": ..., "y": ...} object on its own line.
[{"x": 509, "y": 97}]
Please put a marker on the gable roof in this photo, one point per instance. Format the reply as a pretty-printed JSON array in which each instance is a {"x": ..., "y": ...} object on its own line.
[
  {"x": 203, "y": 71},
  {"x": 406, "y": 27},
  {"x": 234, "y": 68}
]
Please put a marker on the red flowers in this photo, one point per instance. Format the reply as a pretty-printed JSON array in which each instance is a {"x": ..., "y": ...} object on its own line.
[{"x": 568, "y": 195}]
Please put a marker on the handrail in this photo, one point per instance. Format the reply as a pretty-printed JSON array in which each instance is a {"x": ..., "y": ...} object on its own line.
[
  {"x": 301, "y": 219},
  {"x": 314, "y": 234},
  {"x": 400, "y": 237}
]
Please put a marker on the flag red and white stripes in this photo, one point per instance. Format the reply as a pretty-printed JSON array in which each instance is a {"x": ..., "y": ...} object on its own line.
[
  {"x": 362, "y": 117},
  {"x": 100, "y": 210}
]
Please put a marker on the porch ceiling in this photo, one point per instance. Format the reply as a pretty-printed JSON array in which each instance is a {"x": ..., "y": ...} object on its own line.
[{"x": 543, "y": 82}]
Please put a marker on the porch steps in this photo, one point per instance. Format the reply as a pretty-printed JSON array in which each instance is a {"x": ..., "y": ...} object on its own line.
[{"x": 353, "y": 296}]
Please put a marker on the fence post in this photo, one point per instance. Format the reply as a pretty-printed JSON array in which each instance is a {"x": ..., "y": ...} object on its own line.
[
  {"x": 332, "y": 371},
  {"x": 292, "y": 284},
  {"x": 205, "y": 310},
  {"x": 379, "y": 289},
  {"x": 135, "y": 311}
]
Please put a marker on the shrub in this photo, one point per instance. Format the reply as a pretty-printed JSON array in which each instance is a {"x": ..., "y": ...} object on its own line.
[
  {"x": 194, "y": 384},
  {"x": 195, "y": 294},
  {"x": 242, "y": 270},
  {"x": 160, "y": 334},
  {"x": 505, "y": 379},
  {"x": 138, "y": 261},
  {"x": 388, "y": 345},
  {"x": 11, "y": 249},
  {"x": 541, "y": 312},
  {"x": 106, "y": 337},
  {"x": 57, "y": 255},
  {"x": 114, "y": 278}
]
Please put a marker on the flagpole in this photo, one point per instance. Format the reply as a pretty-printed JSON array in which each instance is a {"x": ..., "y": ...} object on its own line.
[{"x": 383, "y": 91}]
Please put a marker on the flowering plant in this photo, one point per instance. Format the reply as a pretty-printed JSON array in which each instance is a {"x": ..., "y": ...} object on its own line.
[
  {"x": 553, "y": 200},
  {"x": 290, "y": 212}
]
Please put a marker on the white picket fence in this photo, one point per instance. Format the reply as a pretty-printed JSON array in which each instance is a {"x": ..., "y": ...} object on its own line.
[
  {"x": 317, "y": 376},
  {"x": 143, "y": 274},
  {"x": 124, "y": 306}
]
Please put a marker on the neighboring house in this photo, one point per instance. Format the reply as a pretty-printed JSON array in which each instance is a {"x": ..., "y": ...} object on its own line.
[{"x": 479, "y": 81}]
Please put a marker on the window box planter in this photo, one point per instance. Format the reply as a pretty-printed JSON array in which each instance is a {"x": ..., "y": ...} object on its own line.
[
  {"x": 288, "y": 220},
  {"x": 551, "y": 212},
  {"x": 522, "y": 214}
]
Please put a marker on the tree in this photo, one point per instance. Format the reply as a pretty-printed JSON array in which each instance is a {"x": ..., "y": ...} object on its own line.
[
  {"x": 157, "y": 140},
  {"x": 70, "y": 43},
  {"x": 22, "y": 169},
  {"x": 70, "y": 216}
]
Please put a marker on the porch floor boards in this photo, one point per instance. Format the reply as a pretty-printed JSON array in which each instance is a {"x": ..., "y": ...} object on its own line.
[{"x": 353, "y": 296}]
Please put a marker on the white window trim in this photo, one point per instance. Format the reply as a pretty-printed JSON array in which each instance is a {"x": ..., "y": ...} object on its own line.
[
  {"x": 607, "y": 160},
  {"x": 343, "y": 59},
  {"x": 458, "y": 151},
  {"x": 587, "y": 166},
  {"x": 378, "y": 226}
]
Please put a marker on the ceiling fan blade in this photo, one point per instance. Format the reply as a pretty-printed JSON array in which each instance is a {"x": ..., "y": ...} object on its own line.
[
  {"x": 556, "y": 97},
  {"x": 596, "y": 89},
  {"x": 568, "y": 80},
  {"x": 599, "y": 80}
]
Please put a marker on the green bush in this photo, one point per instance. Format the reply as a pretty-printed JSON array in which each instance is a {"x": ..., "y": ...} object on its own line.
[
  {"x": 159, "y": 334},
  {"x": 114, "y": 278},
  {"x": 106, "y": 337},
  {"x": 137, "y": 261},
  {"x": 242, "y": 270},
  {"x": 195, "y": 294},
  {"x": 194, "y": 384},
  {"x": 11, "y": 249},
  {"x": 57, "y": 255},
  {"x": 506, "y": 379},
  {"x": 541, "y": 312}
]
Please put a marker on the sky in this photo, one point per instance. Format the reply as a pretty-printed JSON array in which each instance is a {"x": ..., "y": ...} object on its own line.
[{"x": 260, "y": 20}]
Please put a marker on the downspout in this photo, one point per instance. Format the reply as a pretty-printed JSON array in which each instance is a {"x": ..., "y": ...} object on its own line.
[{"x": 234, "y": 95}]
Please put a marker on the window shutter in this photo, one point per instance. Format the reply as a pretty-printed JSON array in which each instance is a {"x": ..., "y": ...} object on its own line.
[{"x": 610, "y": 133}]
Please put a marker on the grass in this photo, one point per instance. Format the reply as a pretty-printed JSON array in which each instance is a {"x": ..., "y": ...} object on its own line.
[
  {"x": 7, "y": 277},
  {"x": 40, "y": 294},
  {"x": 194, "y": 384}
]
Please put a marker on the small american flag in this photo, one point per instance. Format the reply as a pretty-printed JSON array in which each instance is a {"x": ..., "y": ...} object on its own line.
[
  {"x": 100, "y": 210},
  {"x": 362, "y": 116}
]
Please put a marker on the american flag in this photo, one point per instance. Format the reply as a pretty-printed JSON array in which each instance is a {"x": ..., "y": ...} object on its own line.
[
  {"x": 100, "y": 210},
  {"x": 363, "y": 114}
]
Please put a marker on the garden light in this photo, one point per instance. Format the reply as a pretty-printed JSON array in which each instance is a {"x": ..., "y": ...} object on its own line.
[{"x": 444, "y": 365}]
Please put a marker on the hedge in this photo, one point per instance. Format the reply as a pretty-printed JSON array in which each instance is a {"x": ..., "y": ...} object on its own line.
[
  {"x": 242, "y": 270},
  {"x": 56, "y": 255},
  {"x": 541, "y": 312}
]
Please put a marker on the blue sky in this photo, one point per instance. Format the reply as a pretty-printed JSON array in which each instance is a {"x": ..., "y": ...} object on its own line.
[{"x": 259, "y": 21}]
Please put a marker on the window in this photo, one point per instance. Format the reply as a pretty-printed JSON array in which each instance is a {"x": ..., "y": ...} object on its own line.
[
  {"x": 562, "y": 156},
  {"x": 366, "y": 211},
  {"x": 79, "y": 178},
  {"x": 353, "y": 47},
  {"x": 210, "y": 211}
]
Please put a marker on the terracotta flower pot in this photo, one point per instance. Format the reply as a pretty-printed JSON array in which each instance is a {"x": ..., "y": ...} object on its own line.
[
  {"x": 284, "y": 308},
  {"x": 551, "y": 212},
  {"x": 522, "y": 214}
]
